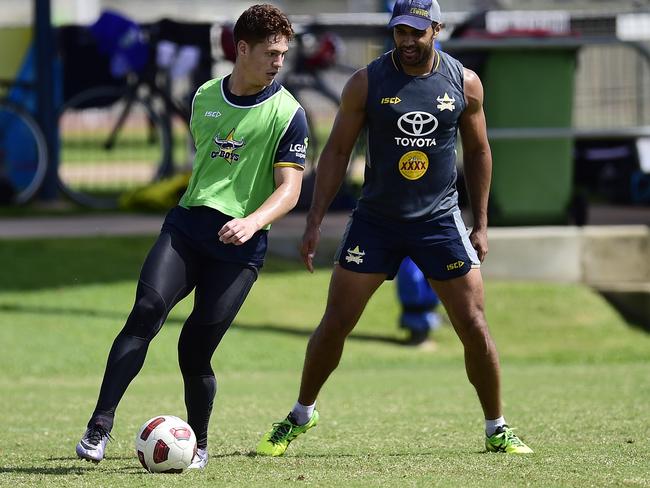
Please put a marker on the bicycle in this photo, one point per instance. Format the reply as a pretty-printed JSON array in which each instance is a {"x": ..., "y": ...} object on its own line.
[
  {"x": 23, "y": 147},
  {"x": 118, "y": 138}
]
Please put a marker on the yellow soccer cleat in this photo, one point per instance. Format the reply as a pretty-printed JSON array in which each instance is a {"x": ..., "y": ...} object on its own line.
[
  {"x": 276, "y": 441},
  {"x": 505, "y": 440}
]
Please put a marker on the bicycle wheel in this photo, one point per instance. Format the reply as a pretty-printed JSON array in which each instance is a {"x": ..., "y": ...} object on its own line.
[
  {"x": 23, "y": 154},
  {"x": 112, "y": 141}
]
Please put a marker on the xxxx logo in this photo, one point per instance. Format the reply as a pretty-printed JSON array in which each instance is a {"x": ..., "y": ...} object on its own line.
[{"x": 413, "y": 165}]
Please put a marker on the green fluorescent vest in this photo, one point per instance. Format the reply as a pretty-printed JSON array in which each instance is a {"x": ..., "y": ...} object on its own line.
[{"x": 235, "y": 149}]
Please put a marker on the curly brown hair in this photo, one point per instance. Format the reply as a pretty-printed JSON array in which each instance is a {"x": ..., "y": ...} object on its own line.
[{"x": 259, "y": 22}]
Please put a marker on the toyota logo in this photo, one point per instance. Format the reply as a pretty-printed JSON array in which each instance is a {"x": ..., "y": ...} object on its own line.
[{"x": 417, "y": 123}]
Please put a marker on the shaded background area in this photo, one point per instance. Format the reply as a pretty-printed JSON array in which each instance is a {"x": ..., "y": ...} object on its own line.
[
  {"x": 567, "y": 103},
  {"x": 567, "y": 94},
  {"x": 68, "y": 262}
]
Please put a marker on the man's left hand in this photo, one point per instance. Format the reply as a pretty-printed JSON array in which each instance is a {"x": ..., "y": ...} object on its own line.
[{"x": 478, "y": 238}]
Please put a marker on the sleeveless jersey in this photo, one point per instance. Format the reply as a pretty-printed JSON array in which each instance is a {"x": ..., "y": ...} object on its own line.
[
  {"x": 412, "y": 123},
  {"x": 236, "y": 149}
]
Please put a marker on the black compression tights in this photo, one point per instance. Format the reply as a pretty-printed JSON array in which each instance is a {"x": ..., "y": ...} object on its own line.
[{"x": 169, "y": 273}]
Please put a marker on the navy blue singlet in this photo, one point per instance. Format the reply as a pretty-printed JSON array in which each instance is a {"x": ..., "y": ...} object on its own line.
[{"x": 412, "y": 122}]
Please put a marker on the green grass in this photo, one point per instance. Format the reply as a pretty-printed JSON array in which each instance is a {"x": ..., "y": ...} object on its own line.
[{"x": 576, "y": 383}]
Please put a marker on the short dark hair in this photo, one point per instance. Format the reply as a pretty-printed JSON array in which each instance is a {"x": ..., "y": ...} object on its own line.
[{"x": 259, "y": 22}]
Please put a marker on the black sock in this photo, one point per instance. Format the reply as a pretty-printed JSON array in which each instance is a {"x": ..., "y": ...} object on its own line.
[
  {"x": 124, "y": 362},
  {"x": 199, "y": 398}
]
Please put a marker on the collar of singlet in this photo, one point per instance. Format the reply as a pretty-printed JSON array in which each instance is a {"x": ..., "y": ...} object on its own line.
[{"x": 250, "y": 100}]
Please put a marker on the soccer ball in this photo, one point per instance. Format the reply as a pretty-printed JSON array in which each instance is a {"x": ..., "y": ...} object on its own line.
[{"x": 165, "y": 444}]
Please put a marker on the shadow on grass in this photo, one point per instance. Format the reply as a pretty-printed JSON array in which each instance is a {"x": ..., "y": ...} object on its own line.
[
  {"x": 306, "y": 332},
  {"x": 34, "y": 264},
  {"x": 362, "y": 455},
  {"x": 121, "y": 317},
  {"x": 50, "y": 471},
  {"x": 90, "y": 463},
  {"x": 64, "y": 311},
  {"x": 83, "y": 467}
]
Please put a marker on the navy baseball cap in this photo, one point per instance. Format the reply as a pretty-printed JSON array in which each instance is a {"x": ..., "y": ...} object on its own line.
[{"x": 418, "y": 14}]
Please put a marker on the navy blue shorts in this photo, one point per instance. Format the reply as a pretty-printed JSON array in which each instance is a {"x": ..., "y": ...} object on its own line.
[
  {"x": 440, "y": 247},
  {"x": 200, "y": 226}
]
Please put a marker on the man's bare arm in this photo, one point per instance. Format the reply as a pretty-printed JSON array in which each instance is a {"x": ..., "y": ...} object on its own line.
[
  {"x": 334, "y": 159},
  {"x": 477, "y": 159}
]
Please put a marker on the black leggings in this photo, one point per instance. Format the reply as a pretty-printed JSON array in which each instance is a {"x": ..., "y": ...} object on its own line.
[{"x": 170, "y": 272}]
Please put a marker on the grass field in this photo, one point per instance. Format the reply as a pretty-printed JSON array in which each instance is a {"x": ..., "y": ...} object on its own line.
[{"x": 576, "y": 383}]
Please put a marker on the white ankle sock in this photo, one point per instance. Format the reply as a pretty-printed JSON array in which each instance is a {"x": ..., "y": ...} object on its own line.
[
  {"x": 492, "y": 425},
  {"x": 302, "y": 413}
]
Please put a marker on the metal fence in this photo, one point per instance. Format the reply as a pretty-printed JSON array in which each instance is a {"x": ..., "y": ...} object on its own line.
[
  {"x": 612, "y": 87},
  {"x": 612, "y": 78}
]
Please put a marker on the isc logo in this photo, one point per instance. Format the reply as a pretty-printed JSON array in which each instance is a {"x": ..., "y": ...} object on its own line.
[
  {"x": 456, "y": 265},
  {"x": 391, "y": 100}
]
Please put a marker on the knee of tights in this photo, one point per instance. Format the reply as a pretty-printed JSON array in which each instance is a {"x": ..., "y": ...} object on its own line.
[
  {"x": 192, "y": 363},
  {"x": 147, "y": 315},
  {"x": 192, "y": 369}
]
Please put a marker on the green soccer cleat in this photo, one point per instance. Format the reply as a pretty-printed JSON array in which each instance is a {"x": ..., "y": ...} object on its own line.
[
  {"x": 276, "y": 440},
  {"x": 505, "y": 440}
]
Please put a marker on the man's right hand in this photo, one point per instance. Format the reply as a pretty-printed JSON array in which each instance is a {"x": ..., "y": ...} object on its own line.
[{"x": 310, "y": 240}]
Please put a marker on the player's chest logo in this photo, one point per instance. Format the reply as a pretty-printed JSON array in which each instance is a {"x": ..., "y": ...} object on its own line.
[
  {"x": 413, "y": 165},
  {"x": 414, "y": 127},
  {"x": 446, "y": 103},
  {"x": 227, "y": 147},
  {"x": 417, "y": 123}
]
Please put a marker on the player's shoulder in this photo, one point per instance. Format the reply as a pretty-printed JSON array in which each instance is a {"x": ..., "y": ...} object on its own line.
[
  {"x": 359, "y": 76},
  {"x": 210, "y": 85},
  {"x": 450, "y": 65},
  {"x": 356, "y": 88},
  {"x": 287, "y": 96},
  {"x": 382, "y": 64},
  {"x": 448, "y": 58},
  {"x": 471, "y": 79}
]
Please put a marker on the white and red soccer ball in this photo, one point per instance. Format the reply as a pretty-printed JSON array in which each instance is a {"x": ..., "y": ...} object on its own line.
[{"x": 165, "y": 444}]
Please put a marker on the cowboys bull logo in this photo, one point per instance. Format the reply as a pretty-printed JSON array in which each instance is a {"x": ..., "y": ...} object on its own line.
[
  {"x": 227, "y": 147},
  {"x": 413, "y": 165}
]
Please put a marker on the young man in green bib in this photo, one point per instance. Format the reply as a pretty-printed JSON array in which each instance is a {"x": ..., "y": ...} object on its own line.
[{"x": 251, "y": 137}]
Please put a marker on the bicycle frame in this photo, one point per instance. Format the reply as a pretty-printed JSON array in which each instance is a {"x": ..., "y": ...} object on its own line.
[
  {"x": 30, "y": 160},
  {"x": 147, "y": 82}
]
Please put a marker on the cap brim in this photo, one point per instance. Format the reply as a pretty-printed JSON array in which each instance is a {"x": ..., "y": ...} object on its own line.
[{"x": 416, "y": 22}]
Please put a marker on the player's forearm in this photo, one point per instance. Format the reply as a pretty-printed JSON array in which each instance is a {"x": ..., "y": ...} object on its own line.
[
  {"x": 329, "y": 176},
  {"x": 278, "y": 204},
  {"x": 478, "y": 175}
]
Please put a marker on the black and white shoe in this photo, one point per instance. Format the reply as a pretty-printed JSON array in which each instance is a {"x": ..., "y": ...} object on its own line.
[
  {"x": 200, "y": 459},
  {"x": 93, "y": 443}
]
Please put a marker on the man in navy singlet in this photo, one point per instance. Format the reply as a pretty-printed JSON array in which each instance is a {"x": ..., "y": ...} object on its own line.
[{"x": 413, "y": 101}]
